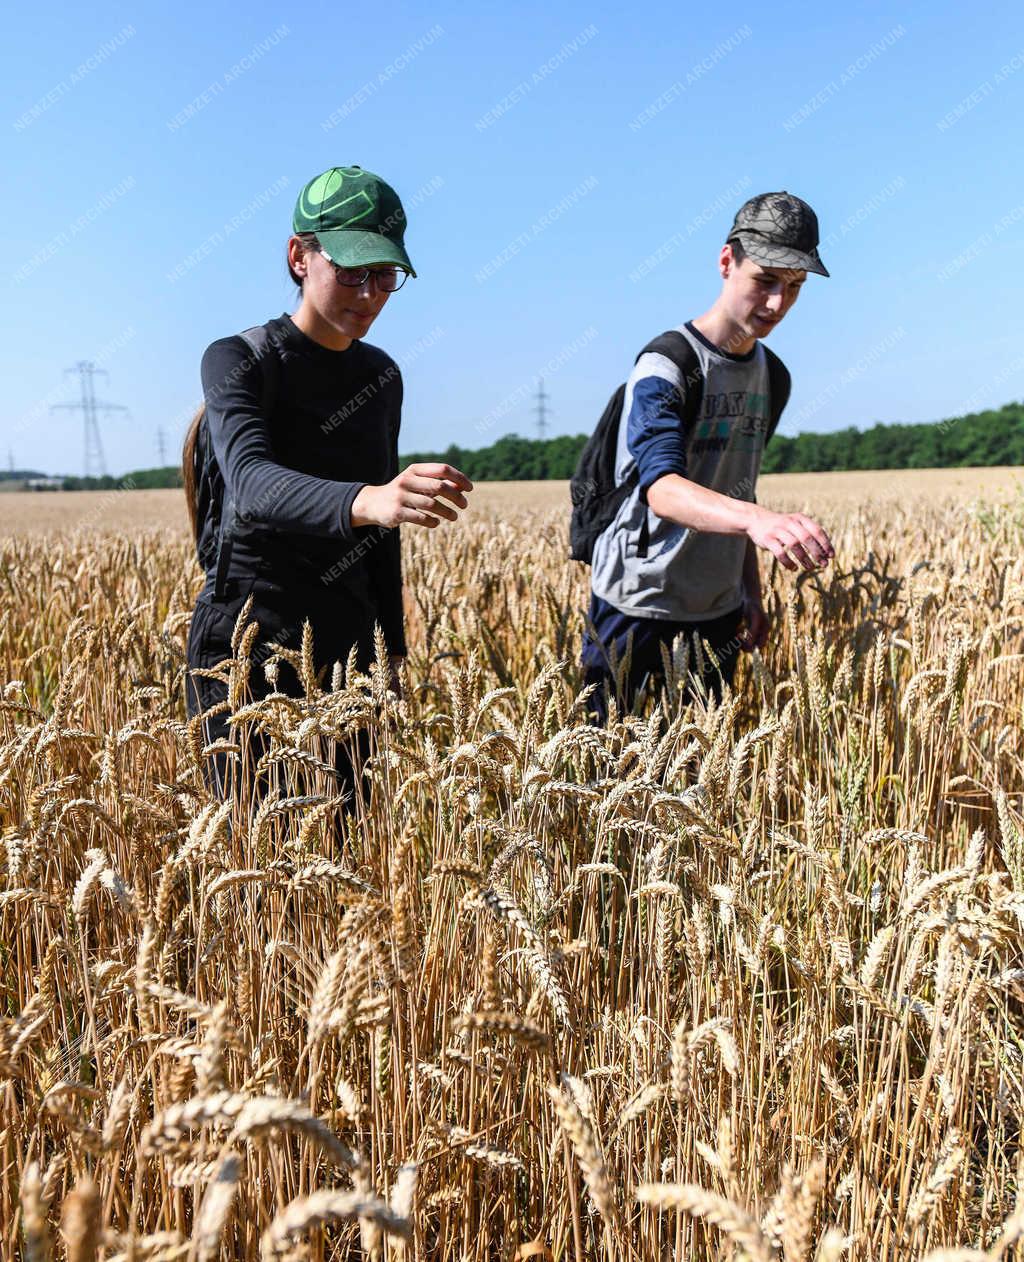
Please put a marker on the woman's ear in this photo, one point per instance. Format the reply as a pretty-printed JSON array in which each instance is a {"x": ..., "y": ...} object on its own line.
[{"x": 297, "y": 256}]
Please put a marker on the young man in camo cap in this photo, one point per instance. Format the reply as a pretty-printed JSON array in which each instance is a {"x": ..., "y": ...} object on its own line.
[{"x": 680, "y": 556}]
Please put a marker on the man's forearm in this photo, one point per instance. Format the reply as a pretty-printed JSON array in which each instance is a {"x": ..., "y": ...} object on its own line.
[{"x": 689, "y": 504}]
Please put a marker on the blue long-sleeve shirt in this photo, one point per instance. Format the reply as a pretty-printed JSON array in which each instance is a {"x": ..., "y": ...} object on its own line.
[
  {"x": 294, "y": 474},
  {"x": 654, "y": 435}
]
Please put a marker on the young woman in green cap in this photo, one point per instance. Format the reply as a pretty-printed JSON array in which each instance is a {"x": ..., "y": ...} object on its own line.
[{"x": 291, "y": 465}]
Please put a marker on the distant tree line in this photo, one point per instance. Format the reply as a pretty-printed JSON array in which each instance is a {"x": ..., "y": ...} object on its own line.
[
  {"x": 511, "y": 459},
  {"x": 995, "y": 437},
  {"x": 137, "y": 480},
  {"x": 980, "y": 438}
]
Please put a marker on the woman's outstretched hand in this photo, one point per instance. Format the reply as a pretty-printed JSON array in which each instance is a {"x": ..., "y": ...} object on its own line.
[{"x": 421, "y": 495}]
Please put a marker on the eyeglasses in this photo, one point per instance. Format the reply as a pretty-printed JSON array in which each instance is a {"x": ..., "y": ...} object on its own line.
[{"x": 387, "y": 279}]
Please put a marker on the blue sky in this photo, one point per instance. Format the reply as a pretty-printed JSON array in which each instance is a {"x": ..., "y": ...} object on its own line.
[{"x": 570, "y": 172}]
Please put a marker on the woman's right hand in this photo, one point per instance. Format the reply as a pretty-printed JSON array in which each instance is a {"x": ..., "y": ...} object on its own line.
[{"x": 411, "y": 499}]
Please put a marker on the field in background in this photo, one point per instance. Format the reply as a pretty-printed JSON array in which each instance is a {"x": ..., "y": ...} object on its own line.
[
  {"x": 24, "y": 512},
  {"x": 740, "y": 981}
]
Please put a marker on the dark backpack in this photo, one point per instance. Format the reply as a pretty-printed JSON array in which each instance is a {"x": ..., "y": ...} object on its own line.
[
  {"x": 209, "y": 480},
  {"x": 596, "y": 497}
]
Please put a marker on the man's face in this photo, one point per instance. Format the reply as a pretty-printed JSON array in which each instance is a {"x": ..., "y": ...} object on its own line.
[
  {"x": 758, "y": 297},
  {"x": 349, "y": 309}
]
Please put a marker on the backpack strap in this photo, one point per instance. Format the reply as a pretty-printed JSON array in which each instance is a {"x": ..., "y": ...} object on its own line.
[
  {"x": 679, "y": 349},
  {"x": 264, "y": 348},
  {"x": 265, "y": 352},
  {"x": 779, "y": 384}
]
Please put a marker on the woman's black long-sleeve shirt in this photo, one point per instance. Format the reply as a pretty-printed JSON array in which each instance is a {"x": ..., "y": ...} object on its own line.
[{"x": 293, "y": 475}]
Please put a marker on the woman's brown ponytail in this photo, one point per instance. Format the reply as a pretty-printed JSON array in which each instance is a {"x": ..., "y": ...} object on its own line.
[{"x": 188, "y": 470}]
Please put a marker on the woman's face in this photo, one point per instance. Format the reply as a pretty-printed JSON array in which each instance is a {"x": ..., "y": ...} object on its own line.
[{"x": 349, "y": 310}]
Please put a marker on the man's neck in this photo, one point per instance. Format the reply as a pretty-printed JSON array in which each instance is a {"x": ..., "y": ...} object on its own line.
[{"x": 722, "y": 331}]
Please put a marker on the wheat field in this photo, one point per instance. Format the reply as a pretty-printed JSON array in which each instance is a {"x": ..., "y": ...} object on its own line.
[
  {"x": 741, "y": 981},
  {"x": 32, "y": 513}
]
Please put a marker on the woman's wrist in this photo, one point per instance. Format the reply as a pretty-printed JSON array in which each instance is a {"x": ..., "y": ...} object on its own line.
[{"x": 361, "y": 513}]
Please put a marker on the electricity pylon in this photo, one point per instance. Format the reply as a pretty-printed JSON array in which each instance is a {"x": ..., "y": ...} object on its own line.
[
  {"x": 541, "y": 408},
  {"x": 90, "y": 405}
]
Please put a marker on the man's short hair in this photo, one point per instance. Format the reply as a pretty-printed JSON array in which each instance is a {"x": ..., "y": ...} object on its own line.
[{"x": 738, "y": 252}]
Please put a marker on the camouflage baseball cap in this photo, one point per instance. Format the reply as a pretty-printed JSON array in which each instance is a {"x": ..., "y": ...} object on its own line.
[
  {"x": 779, "y": 230},
  {"x": 357, "y": 218}
]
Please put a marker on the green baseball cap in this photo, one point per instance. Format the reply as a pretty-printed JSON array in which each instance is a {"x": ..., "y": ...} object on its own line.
[{"x": 357, "y": 218}]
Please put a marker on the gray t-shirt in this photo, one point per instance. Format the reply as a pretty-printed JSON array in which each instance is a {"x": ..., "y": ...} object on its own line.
[{"x": 687, "y": 575}]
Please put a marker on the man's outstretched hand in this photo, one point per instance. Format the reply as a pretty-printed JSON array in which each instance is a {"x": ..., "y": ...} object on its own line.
[
  {"x": 795, "y": 540},
  {"x": 421, "y": 495}
]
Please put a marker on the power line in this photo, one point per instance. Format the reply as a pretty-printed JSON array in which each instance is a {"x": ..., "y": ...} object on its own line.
[
  {"x": 161, "y": 446},
  {"x": 95, "y": 464},
  {"x": 541, "y": 408}
]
